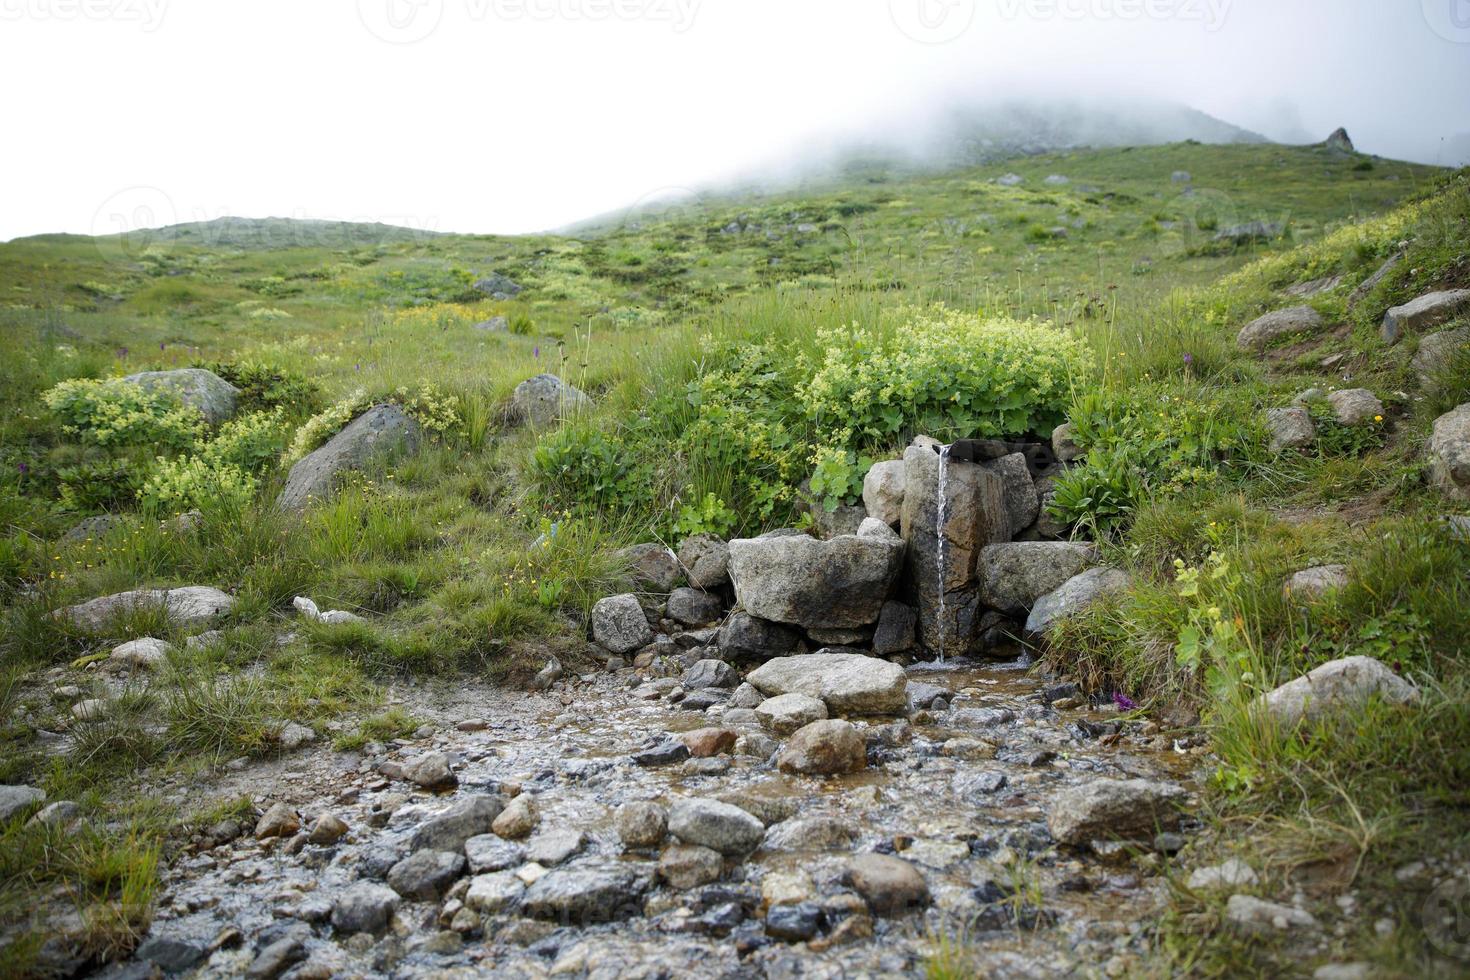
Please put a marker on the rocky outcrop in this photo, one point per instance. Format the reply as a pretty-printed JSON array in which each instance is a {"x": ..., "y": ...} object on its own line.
[
  {"x": 1250, "y": 232},
  {"x": 836, "y": 584},
  {"x": 382, "y": 431},
  {"x": 1426, "y": 311},
  {"x": 545, "y": 400},
  {"x": 1261, "y": 332},
  {"x": 848, "y": 683},
  {"x": 216, "y": 398},
  {"x": 975, "y": 515},
  {"x": 1108, "y": 809},
  {"x": 498, "y": 286},
  {"x": 1074, "y": 595},
  {"x": 1014, "y": 576},
  {"x": 1449, "y": 453},
  {"x": 187, "y": 607},
  {"x": 1335, "y": 687},
  {"x": 1371, "y": 283}
]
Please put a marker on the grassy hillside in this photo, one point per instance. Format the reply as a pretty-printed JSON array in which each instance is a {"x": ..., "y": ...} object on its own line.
[{"x": 725, "y": 342}]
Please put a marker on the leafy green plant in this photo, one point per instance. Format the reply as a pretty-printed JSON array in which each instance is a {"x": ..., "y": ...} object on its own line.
[
  {"x": 264, "y": 387},
  {"x": 709, "y": 516},
  {"x": 581, "y": 468},
  {"x": 1336, "y": 439},
  {"x": 120, "y": 413},
  {"x": 1101, "y": 495}
]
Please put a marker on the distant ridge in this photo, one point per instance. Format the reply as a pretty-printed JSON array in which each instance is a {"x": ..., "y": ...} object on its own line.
[{"x": 260, "y": 233}]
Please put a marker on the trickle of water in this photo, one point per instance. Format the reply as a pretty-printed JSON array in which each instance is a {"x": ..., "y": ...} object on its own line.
[{"x": 941, "y": 512}]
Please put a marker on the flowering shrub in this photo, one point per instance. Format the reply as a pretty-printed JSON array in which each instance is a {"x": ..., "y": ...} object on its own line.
[
  {"x": 119, "y": 413},
  {"x": 945, "y": 373},
  {"x": 326, "y": 423},
  {"x": 436, "y": 411},
  {"x": 178, "y": 485}
]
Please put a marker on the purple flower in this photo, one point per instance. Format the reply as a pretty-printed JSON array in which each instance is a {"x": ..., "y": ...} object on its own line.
[
  {"x": 162, "y": 344},
  {"x": 122, "y": 352},
  {"x": 24, "y": 469},
  {"x": 536, "y": 351},
  {"x": 357, "y": 367},
  {"x": 1188, "y": 358},
  {"x": 1124, "y": 702}
]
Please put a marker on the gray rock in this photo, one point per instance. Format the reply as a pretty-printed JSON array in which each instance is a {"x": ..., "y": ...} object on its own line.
[
  {"x": 811, "y": 834},
  {"x": 1335, "y": 687},
  {"x": 653, "y": 566},
  {"x": 1429, "y": 310},
  {"x": 719, "y": 826},
  {"x": 279, "y": 956},
  {"x": 171, "y": 955},
  {"x": 745, "y": 696},
  {"x": 1074, "y": 595},
  {"x": 545, "y": 400},
  {"x": 1290, "y": 428},
  {"x": 498, "y": 286},
  {"x": 191, "y": 606},
  {"x": 686, "y": 866},
  {"x": 431, "y": 771},
  {"x": 694, "y": 607},
  {"x": 1258, "y": 917},
  {"x": 426, "y": 875},
  {"x": 1251, "y": 231},
  {"x": 1063, "y": 446},
  {"x": 1180, "y": 177},
  {"x": 381, "y": 431},
  {"x": 1056, "y": 180},
  {"x": 555, "y": 846},
  {"x": 824, "y": 748},
  {"x": 98, "y": 526},
  {"x": 1022, "y": 504},
  {"x": 705, "y": 560},
  {"x": 1439, "y": 353},
  {"x": 518, "y": 819},
  {"x": 849, "y": 683},
  {"x": 1313, "y": 287},
  {"x": 364, "y": 907},
  {"x": 1261, "y": 332},
  {"x": 1010, "y": 180},
  {"x": 1449, "y": 453},
  {"x": 890, "y": 885},
  {"x": 496, "y": 324},
  {"x": 14, "y": 799},
  {"x": 842, "y": 519},
  {"x": 451, "y": 828},
  {"x": 58, "y": 814},
  {"x": 1014, "y": 576},
  {"x": 327, "y": 830},
  {"x": 1355, "y": 406},
  {"x": 144, "y": 653},
  {"x": 785, "y": 713},
  {"x": 641, "y": 824},
  {"x": 1314, "y": 583},
  {"x": 1105, "y": 809},
  {"x": 840, "y": 583},
  {"x": 1233, "y": 873},
  {"x": 796, "y": 922},
  {"x": 490, "y": 852},
  {"x": 861, "y": 636},
  {"x": 896, "y": 629},
  {"x": 494, "y": 892},
  {"x": 709, "y": 673},
  {"x": 1371, "y": 283},
  {"x": 975, "y": 515},
  {"x": 619, "y": 624},
  {"x": 745, "y": 637},
  {"x": 581, "y": 895},
  {"x": 216, "y": 399},
  {"x": 883, "y": 489}
]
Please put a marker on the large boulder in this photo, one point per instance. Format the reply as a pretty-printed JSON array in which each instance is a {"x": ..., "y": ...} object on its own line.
[
  {"x": 1429, "y": 310},
  {"x": 848, "y": 683},
  {"x": 1014, "y": 576},
  {"x": 824, "y": 748},
  {"x": 619, "y": 624},
  {"x": 1261, "y": 332},
  {"x": 1449, "y": 453},
  {"x": 975, "y": 515},
  {"x": 1437, "y": 353},
  {"x": 705, "y": 560},
  {"x": 383, "y": 430},
  {"x": 721, "y": 827},
  {"x": 744, "y": 637},
  {"x": 216, "y": 398},
  {"x": 785, "y": 713},
  {"x": 1335, "y": 687},
  {"x": 545, "y": 400},
  {"x": 1105, "y": 809},
  {"x": 883, "y": 488},
  {"x": 840, "y": 583},
  {"x": 1022, "y": 504},
  {"x": 187, "y": 607},
  {"x": 1074, "y": 595}
]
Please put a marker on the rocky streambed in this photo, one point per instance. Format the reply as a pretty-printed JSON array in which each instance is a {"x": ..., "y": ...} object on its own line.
[{"x": 601, "y": 829}]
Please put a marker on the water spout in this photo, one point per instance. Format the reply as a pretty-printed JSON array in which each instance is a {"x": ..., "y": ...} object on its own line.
[{"x": 941, "y": 513}]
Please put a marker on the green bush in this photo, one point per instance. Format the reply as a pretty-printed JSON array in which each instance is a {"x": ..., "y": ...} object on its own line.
[
  {"x": 263, "y": 387},
  {"x": 944, "y": 373},
  {"x": 582, "y": 469},
  {"x": 119, "y": 413}
]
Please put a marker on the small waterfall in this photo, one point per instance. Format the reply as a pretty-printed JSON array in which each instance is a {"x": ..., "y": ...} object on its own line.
[{"x": 941, "y": 513}]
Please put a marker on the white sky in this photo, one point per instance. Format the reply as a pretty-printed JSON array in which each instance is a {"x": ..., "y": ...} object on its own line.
[{"x": 518, "y": 115}]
